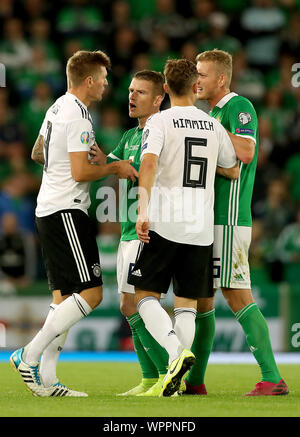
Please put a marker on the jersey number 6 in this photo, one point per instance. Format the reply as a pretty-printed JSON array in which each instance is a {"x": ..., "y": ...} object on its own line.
[{"x": 195, "y": 166}]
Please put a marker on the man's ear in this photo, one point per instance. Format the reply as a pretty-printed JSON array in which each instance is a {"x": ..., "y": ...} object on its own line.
[
  {"x": 166, "y": 88},
  {"x": 222, "y": 80},
  {"x": 158, "y": 100}
]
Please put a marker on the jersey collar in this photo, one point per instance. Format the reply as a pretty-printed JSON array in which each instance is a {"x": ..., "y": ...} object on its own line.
[
  {"x": 76, "y": 98},
  {"x": 225, "y": 99}
]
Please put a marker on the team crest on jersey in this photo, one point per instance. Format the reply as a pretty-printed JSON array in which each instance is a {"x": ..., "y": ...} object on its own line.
[
  {"x": 96, "y": 270},
  {"x": 85, "y": 137},
  {"x": 244, "y": 117},
  {"x": 55, "y": 109}
]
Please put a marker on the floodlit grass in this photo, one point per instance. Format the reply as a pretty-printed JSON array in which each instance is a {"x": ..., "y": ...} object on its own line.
[{"x": 225, "y": 384}]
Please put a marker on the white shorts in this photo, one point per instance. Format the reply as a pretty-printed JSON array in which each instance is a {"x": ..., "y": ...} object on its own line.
[
  {"x": 230, "y": 253},
  {"x": 127, "y": 253}
]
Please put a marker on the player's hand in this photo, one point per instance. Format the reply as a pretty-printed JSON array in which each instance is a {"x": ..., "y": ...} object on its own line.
[
  {"x": 126, "y": 170},
  {"x": 96, "y": 155},
  {"x": 142, "y": 228}
]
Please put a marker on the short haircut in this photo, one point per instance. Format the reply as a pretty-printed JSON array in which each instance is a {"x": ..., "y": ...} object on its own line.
[
  {"x": 180, "y": 75},
  {"x": 222, "y": 59},
  {"x": 155, "y": 77},
  {"x": 83, "y": 64}
]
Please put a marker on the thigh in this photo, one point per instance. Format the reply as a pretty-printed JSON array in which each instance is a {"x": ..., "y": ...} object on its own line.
[
  {"x": 70, "y": 251},
  {"x": 154, "y": 266},
  {"x": 127, "y": 254},
  {"x": 193, "y": 272},
  {"x": 231, "y": 247}
]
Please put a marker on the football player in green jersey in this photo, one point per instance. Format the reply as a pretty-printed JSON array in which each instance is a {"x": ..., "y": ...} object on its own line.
[
  {"x": 146, "y": 94},
  {"x": 232, "y": 230}
]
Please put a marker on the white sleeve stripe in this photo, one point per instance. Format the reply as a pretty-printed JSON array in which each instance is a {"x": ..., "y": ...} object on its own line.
[
  {"x": 111, "y": 155},
  {"x": 246, "y": 136}
]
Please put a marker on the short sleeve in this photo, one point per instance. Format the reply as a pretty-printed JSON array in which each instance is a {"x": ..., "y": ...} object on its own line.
[
  {"x": 226, "y": 156},
  {"x": 153, "y": 136},
  {"x": 243, "y": 119},
  {"x": 80, "y": 135},
  {"x": 43, "y": 128}
]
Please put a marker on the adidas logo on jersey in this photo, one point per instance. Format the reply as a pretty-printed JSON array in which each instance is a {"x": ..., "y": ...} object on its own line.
[{"x": 137, "y": 273}]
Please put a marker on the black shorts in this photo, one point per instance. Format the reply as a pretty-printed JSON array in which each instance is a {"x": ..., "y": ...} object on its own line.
[
  {"x": 160, "y": 261},
  {"x": 69, "y": 251}
]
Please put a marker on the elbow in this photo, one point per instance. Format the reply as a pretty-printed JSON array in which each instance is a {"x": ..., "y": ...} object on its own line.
[
  {"x": 246, "y": 158},
  {"x": 77, "y": 176}
]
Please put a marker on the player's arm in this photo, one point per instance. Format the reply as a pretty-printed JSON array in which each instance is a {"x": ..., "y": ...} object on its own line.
[
  {"x": 83, "y": 171},
  {"x": 37, "y": 153},
  {"x": 146, "y": 180},
  {"x": 242, "y": 129},
  {"x": 229, "y": 173},
  {"x": 152, "y": 143},
  {"x": 244, "y": 147}
]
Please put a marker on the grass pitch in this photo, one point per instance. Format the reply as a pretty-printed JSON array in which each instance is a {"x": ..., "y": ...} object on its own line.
[{"x": 225, "y": 384}]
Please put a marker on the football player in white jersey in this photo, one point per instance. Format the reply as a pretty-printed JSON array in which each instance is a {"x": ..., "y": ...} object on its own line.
[
  {"x": 181, "y": 149},
  {"x": 69, "y": 247}
]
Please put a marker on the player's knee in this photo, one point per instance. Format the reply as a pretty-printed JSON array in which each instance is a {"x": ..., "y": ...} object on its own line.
[{"x": 127, "y": 306}]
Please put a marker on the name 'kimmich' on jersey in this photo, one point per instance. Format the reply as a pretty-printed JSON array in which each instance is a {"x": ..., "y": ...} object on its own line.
[
  {"x": 67, "y": 127},
  {"x": 189, "y": 145}
]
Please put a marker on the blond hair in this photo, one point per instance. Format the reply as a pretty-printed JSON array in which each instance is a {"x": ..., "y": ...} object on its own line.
[
  {"x": 222, "y": 59},
  {"x": 83, "y": 64}
]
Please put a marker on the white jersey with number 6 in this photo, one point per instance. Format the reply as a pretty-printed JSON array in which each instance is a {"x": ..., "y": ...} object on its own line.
[
  {"x": 189, "y": 144},
  {"x": 67, "y": 127}
]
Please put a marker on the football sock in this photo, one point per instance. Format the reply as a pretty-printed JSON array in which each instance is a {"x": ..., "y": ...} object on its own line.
[
  {"x": 149, "y": 369},
  {"x": 185, "y": 325},
  {"x": 49, "y": 359},
  {"x": 50, "y": 355},
  {"x": 156, "y": 354},
  {"x": 159, "y": 324},
  {"x": 202, "y": 346},
  {"x": 258, "y": 340},
  {"x": 65, "y": 315}
]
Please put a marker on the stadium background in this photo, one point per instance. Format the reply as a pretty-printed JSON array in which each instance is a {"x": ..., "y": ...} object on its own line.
[{"x": 36, "y": 39}]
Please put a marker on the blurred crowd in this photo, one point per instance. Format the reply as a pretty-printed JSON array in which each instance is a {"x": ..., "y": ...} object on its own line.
[{"x": 38, "y": 36}]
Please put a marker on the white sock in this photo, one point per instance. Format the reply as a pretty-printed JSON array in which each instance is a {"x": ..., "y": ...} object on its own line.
[
  {"x": 185, "y": 325},
  {"x": 50, "y": 355},
  {"x": 159, "y": 324},
  {"x": 64, "y": 316}
]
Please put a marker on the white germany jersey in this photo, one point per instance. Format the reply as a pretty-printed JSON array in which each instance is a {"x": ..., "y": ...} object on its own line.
[
  {"x": 67, "y": 127},
  {"x": 189, "y": 144}
]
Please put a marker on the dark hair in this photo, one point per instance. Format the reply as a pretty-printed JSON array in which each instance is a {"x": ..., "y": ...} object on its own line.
[
  {"x": 84, "y": 63},
  {"x": 180, "y": 75},
  {"x": 152, "y": 76}
]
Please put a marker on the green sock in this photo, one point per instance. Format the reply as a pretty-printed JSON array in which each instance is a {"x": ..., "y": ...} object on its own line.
[
  {"x": 258, "y": 340},
  {"x": 202, "y": 346},
  {"x": 149, "y": 369},
  {"x": 156, "y": 353}
]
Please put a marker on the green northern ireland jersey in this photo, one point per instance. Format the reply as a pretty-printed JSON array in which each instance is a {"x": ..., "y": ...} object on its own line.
[
  {"x": 128, "y": 148},
  {"x": 233, "y": 197}
]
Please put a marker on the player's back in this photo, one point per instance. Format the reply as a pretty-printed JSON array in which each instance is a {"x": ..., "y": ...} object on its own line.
[
  {"x": 66, "y": 128},
  {"x": 190, "y": 145}
]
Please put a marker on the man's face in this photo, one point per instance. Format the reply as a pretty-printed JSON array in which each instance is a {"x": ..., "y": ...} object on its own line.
[
  {"x": 98, "y": 84},
  {"x": 208, "y": 80},
  {"x": 141, "y": 98}
]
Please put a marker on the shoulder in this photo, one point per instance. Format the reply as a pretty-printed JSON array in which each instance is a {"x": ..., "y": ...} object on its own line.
[
  {"x": 68, "y": 110},
  {"x": 240, "y": 102}
]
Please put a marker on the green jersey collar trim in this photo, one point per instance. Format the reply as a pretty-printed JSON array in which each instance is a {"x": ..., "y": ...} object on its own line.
[{"x": 225, "y": 99}]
